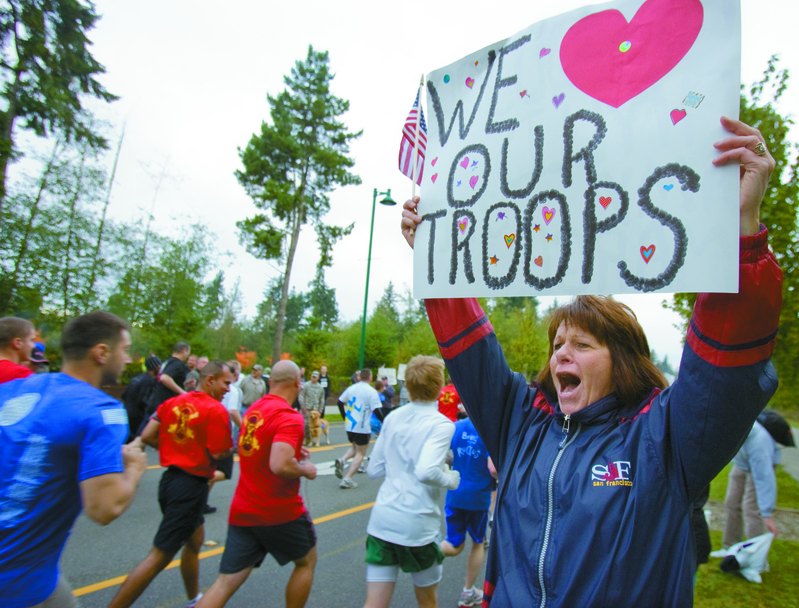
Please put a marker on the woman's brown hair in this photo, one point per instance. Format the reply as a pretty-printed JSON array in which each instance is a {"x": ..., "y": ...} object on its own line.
[{"x": 615, "y": 325}]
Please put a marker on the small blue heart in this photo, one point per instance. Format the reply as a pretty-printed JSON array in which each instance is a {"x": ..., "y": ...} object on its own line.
[{"x": 668, "y": 187}]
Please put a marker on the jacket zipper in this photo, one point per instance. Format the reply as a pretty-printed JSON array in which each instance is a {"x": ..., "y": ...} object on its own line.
[{"x": 565, "y": 442}]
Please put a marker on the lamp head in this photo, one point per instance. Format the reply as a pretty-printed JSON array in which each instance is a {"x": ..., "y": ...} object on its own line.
[{"x": 388, "y": 201}]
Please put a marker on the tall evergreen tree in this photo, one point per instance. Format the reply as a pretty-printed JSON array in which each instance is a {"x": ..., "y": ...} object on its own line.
[
  {"x": 47, "y": 70},
  {"x": 292, "y": 165}
]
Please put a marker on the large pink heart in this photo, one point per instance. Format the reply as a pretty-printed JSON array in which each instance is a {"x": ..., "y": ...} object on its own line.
[{"x": 659, "y": 36}]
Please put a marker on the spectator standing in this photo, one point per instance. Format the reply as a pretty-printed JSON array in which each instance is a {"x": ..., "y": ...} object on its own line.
[
  {"x": 137, "y": 395},
  {"x": 252, "y": 387},
  {"x": 192, "y": 432},
  {"x": 192, "y": 378},
  {"x": 467, "y": 506},
  {"x": 17, "y": 340},
  {"x": 405, "y": 521},
  {"x": 60, "y": 449},
  {"x": 171, "y": 377},
  {"x": 267, "y": 514},
  {"x": 312, "y": 398},
  {"x": 753, "y": 484},
  {"x": 361, "y": 400},
  {"x": 389, "y": 393},
  {"x": 324, "y": 380}
]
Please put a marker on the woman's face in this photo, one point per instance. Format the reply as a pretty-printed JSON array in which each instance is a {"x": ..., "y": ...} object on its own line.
[{"x": 581, "y": 368}]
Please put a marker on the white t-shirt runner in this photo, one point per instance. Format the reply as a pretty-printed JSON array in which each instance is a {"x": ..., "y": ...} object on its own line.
[{"x": 360, "y": 400}]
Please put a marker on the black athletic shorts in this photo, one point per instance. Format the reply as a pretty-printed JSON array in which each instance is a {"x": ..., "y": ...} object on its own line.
[
  {"x": 182, "y": 498},
  {"x": 359, "y": 438},
  {"x": 248, "y": 545}
]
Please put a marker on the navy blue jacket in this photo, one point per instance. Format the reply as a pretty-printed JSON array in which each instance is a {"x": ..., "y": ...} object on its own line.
[{"x": 596, "y": 512}]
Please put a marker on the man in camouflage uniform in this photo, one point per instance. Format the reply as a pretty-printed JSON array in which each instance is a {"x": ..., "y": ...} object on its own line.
[{"x": 312, "y": 397}]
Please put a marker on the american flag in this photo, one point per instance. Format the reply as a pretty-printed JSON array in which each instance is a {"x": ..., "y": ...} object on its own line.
[{"x": 406, "y": 152}]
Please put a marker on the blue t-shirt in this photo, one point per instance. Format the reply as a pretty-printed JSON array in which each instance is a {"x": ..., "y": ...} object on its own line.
[
  {"x": 55, "y": 431},
  {"x": 470, "y": 458}
]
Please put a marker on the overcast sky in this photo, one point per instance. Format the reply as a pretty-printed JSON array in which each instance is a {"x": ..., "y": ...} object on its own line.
[{"x": 193, "y": 78}]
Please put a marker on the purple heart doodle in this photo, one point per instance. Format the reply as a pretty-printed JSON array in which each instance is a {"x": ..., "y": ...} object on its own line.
[
  {"x": 548, "y": 214},
  {"x": 544, "y": 52},
  {"x": 558, "y": 99},
  {"x": 465, "y": 162},
  {"x": 473, "y": 181}
]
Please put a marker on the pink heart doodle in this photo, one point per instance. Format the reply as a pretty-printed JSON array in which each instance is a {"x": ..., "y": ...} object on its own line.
[
  {"x": 558, "y": 99},
  {"x": 434, "y": 178},
  {"x": 605, "y": 201},
  {"x": 433, "y": 163},
  {"x": 677, "y": 116},
  {"x": 462, "y": 223},
  {"x": 465, "y": 162},
  {"x": 470, "y": 82},
  {"x": 539, "y": 261},
  {"x": 548, "y": 214},
  {"x": 473, "y": 181},
  {"x": 647, "y": 253},
  {"x": 660, "y": 35},
  {"x": 544, "y": 53}
]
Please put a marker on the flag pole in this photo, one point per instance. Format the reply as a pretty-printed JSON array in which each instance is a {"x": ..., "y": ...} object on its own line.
[{"x": 416, "y": 142}]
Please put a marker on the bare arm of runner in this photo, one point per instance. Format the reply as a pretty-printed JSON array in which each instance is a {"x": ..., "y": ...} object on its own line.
[
  {"x": 106, "y": 497},
  {"x": 285, "y": 465},
  {"x": 149, "y": 435}
]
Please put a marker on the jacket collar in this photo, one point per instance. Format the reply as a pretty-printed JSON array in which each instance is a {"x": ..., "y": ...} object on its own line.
[{"x": 599, "y": 412}]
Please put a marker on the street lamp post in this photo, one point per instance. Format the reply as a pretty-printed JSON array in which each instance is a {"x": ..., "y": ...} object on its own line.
[{"x": 389, "y": 202}]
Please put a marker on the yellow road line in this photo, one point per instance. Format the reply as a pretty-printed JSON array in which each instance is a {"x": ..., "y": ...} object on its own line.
[{"x": 217, "y": 551}]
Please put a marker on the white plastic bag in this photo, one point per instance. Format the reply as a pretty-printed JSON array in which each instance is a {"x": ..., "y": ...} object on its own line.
[{"x": 748, "y": 557}]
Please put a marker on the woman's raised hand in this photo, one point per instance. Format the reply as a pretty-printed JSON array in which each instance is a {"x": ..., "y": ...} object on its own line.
[
  {"x": 747, "y": 147},
  {"x": 410, "y": 220}
]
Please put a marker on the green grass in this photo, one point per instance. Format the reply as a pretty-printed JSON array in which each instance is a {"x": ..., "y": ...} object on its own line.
[
  {"x": 787, "y": 488},
  {"x": 715, "y": 589},
  {"x": 333, "y": 417}
]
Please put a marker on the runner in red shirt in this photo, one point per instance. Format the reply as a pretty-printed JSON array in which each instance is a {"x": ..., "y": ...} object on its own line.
[
  {"x": 448, "y": 402},
  {"x": 267, "y": 514},
  {"x": 17, "y": 338},
  {"x": 192, "y": 432}
]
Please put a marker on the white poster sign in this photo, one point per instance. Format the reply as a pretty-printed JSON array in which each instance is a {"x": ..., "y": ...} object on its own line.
[{"x": 575, "y": 157}]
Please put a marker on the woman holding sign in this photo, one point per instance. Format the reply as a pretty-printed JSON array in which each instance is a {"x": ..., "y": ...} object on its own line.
[{"x": 598, "y": 461}]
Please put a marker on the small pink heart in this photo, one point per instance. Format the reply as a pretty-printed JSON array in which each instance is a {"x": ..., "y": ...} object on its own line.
[
  {"x": 465, "y": 162},
  {"x": 605, "y": 201},
  {"x": 470, "y": 82},
  {"x": 434, "y": 178},
  {"x": 473, "y": 181},
  {"x": 548, "y": 214},
  {"x": 678, "y": 115},
  {"x": 558, "y": 99},
  {"x": 647, "y": 253},
  {"x": 539, "y": 261},
  {"x": 433, "y": 163},
  {"x": 462, "y": 224},
  {"x": 544, "y": 53}
]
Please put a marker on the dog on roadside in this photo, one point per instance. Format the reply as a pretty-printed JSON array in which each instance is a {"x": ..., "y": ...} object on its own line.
[{"x": 318, "y": 426}]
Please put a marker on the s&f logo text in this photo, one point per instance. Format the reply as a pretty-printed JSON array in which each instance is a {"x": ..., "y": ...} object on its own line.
[{"x": 616, "y": 473}]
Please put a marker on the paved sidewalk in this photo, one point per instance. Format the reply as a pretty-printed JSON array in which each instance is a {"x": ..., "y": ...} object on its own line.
[{"x": 790, "y": 457}]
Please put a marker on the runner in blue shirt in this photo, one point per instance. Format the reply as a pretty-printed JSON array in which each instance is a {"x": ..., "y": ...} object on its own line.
[
  {"x": 61, "y": 445},
  {"x": 467, "y": 506}
]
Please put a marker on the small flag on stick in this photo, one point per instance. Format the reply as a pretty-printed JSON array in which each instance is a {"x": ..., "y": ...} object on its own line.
[{"x": 411, "y": 143}]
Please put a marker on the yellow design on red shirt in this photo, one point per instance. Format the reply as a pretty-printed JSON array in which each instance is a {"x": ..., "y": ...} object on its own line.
[
  {"x": 248, "y": 444},
  {"x": 185, "y": 413},
  {"x": 446, "y": 398}
]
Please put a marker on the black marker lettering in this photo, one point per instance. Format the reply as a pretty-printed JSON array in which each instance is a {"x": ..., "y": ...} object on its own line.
[
  {"x": 431, "y": 246},
  {"x": 479, "y": 149},
  {"x": 587, "y": 153},
  {"x": 690, "y": 181},
  {"x": 511, "y": 123},
  {"x": 565, "y": 240},
  {"x": 464, "y": 244},
  {"x": 502, "y": 282},
  {"x": 539, "y": 164},
  {"x": 443, "y": 135},
  {"x": 590, "y": 226}
]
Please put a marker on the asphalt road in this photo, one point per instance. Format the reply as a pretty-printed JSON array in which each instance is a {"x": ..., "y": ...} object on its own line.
[{"x": 96, "y": 559}]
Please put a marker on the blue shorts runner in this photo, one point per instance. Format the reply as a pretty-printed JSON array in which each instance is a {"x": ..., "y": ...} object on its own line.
[{"x": 460, "y": 521}]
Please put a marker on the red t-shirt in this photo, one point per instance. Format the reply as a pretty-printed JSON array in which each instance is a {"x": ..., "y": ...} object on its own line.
[
  {"x": 262, "y": 498},
  {"x": 11, "y": 371},
  {"x": 448, "y": 402},
  {"x": 193, "y": 426}
]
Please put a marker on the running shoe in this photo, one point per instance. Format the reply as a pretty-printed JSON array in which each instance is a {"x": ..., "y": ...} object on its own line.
[
  {"x": 347, "y": 484},
  {"x": 364, "y": 464},
  {"x": 340, "y": 468},
  {"x": 470, "y": 598},
  {"x": 193, "y": 603}
]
